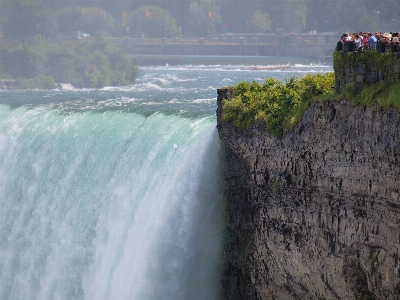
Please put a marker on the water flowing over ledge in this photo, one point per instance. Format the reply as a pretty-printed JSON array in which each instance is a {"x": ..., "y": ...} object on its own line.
[{"x": 108, "y": 205}]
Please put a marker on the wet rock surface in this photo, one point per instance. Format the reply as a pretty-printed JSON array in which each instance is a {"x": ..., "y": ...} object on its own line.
[{"x": 314, "y": 214}]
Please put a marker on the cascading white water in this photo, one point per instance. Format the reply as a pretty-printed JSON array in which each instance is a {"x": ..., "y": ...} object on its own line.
[{"x": 108, "y": 205}]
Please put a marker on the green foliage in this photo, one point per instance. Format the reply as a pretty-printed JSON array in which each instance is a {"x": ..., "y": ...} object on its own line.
[
  {"x": 372, "y": 60},
  {"x": 282, "y": 106},
  {"x": 44, "y": 82},
  {"x": 260, "y": 22},
  {"x": 91, "y": 20},
  {"x": 393, "y": 99},
  {"x": 22, "y": 19},
  {"x": 86, "y": 63},
  {"x": 39, "y": 82},
  {"x": 290, "y": 15},
  {"x": 153, "y": 21},
  {"x": 384, "y": 94},
  {"x": 347, "y": 15},
  {"x": 277, "y": 103},
  {"x": 18, "y": 60},
  {"x": 341, "y": 60},
  {"x": 203, "y": 17},
  {"x": 295, "y": 13}
]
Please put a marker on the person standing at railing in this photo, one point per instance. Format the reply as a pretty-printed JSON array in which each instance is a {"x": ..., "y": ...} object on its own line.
[
  {"x": 339, "y": 45},
  {"x": 395, "y": 42},
  {"x": 395, "y": 37},
  {"x": 383, "y": 43},
  {"x": 357, "y": 41},
  {"x": 372, "y": 41},
  {"x": 365, "y": 40}
]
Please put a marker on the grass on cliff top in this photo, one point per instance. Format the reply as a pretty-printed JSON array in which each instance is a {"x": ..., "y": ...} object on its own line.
[
  {"x": 384, "y": 94},
  {"x": 282, "y": 105}
]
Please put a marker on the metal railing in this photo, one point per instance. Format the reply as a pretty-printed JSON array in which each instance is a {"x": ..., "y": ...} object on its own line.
[{"x": 310, "y": 40}]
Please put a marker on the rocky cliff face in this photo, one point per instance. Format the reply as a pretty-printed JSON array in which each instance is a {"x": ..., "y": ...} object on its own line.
[{"x": 314, "y": 214}]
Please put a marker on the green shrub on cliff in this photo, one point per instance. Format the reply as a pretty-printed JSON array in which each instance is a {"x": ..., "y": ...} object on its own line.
[{"x": 279, "y": 104}]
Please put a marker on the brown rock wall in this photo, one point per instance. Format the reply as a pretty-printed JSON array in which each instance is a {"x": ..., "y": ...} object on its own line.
[{"x": 314, "y": 214}]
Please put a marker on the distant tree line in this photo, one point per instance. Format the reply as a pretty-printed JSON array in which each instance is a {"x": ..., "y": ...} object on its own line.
[
  {"x": 91, "y": 63},
  {"x": 22, "y": 19}
]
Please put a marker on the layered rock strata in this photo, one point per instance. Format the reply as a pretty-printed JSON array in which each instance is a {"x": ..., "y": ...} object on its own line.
[{"x": 314, "y": 214}]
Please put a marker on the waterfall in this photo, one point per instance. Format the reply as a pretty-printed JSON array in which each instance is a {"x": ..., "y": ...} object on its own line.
[{"x": 109, "y": 204}]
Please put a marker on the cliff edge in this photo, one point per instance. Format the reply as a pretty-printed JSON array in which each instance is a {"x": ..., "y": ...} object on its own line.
[{"x": 314, "y": 214}]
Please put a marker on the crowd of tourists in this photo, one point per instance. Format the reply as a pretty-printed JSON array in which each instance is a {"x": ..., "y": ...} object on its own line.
[{"x": 361, "y": 41}]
